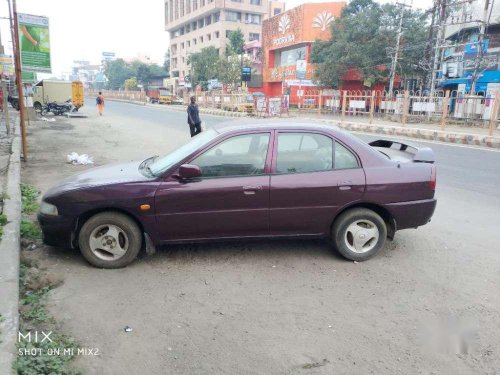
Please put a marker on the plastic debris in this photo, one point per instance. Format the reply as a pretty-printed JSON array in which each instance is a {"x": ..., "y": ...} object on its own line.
[
  {"x": 82, "y": 159},
  {"x": 48, "y": 119},
  {"x": 128, "y": 329}
]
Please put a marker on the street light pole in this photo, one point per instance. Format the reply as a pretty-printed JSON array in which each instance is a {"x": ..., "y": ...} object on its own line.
[{"x": 19, "y": 80}]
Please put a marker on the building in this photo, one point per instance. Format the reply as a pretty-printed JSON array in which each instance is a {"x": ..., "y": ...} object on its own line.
[
  {"x": 253, "y": 52},
  {"x": 460, "y": 53},
  {"x": 195, "y": 24},
  {"x": 287, "y": 38}
]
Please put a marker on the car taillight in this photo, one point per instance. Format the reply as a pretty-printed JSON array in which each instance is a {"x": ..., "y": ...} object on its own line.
[{"x": 432, "y": 182}]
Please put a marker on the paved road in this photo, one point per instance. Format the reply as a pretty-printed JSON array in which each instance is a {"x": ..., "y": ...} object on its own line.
[{"x": 428, "y": 303}]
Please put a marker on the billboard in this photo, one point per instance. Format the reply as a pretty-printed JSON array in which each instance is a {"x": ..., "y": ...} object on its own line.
[
  {"x": 6, "y": 65},
  {"x": 34, "y": 43},
  {"x": 301, "y": 69},
  {"x": 246, "y": 73}
]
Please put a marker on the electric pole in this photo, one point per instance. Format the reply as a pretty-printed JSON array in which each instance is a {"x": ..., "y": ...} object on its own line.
[
  {"x": 439, "y": 37},
  {"x": 19, "y": 79},
  {"x": 396, "y": 53},
  {"x": 480, "y": 52}
]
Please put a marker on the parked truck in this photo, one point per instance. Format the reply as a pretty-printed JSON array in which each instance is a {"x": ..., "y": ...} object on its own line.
[{"x": 47, "y": 91}]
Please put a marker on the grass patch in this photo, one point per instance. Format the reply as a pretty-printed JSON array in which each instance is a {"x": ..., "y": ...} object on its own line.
[
  {"x": 45, "y": 357},
  {"x": 3, "y": 221},
  {"x": 45, "y": 363},
  {"x": 30, "y": 230},
  {"x": 29, "y": 197}
]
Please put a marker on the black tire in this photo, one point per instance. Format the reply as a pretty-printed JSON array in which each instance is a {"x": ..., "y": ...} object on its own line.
[
  {"x": 123, "y": 222},
  {"x": 342, "y": 236},
  {"x": 38, "y": 107}
]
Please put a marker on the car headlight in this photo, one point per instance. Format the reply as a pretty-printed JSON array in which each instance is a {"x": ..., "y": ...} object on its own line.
[{"x": 48, "y": 209}]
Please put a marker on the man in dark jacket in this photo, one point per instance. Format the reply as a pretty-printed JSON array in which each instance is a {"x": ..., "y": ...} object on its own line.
[{"x": 194, "y": 117}]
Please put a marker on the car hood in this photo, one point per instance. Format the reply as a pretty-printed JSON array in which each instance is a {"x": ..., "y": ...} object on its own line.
[{"x": 106, "y": 175}]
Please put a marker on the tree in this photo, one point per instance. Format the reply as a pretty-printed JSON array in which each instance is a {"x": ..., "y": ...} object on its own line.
[
  {"x": 363, "y": 38},
  {"x": 230, "y": 69},
  {"x": 117, "y": 72},
  {"x": 236, "y": 43},
  {"x": 131, "y": 84},
  {"x": 204, "y": 65}
]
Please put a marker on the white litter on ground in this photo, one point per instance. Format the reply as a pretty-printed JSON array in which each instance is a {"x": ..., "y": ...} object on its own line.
[
  {"x": 82, "y": 159},
  {"x": 52, "y": 119}
]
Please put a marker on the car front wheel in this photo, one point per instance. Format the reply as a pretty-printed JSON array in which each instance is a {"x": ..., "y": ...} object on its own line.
[
  {"x": 359, "y": 234},
  {"x": 110, "y": 240}
]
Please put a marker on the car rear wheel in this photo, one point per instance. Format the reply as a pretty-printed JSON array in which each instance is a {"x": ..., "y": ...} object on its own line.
[
  {"x": 359, "y": 234},
  {"x": 110, "y": 240}
]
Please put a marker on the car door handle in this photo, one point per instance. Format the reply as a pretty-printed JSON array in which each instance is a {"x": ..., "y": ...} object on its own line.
[
  {"x": 251, "y": 189},
  {"x": 345, "y": 185}
]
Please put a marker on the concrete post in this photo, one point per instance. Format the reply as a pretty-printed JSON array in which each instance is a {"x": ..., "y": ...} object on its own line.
[
  {"x": 446, "y": 103},
  {"x": 344, "y": 103},
  {"x": 494, "y": 113},
  {"x": 406, "y": 102},
  {"x": 372, "y": 106}
]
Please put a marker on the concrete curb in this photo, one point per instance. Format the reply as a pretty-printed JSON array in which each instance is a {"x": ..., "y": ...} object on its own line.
[
  {"x": 125, "y": 101},
  {"x": 417, "y": 133},
  {"x": 9, "y": 260},
  {"x": 206, "y": 111}
]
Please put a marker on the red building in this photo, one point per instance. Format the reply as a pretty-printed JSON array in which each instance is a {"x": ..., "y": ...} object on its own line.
[{"x": 287, "y": 38}]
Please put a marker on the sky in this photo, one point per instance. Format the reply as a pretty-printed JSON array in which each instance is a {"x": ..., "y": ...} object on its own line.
[{"x": 82, "y": 30}]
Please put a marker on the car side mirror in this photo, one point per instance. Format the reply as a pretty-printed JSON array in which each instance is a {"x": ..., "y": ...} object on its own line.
[{"x": 188, "y": 171}]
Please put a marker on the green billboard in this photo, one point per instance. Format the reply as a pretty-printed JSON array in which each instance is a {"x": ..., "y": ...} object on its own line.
[{"x": 34, "y": 42}]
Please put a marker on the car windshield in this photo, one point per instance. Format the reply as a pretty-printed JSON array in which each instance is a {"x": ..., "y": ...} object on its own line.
[{"x": 164, "y": 163}]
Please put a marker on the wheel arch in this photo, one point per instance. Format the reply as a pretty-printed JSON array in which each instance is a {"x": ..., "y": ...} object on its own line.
[
  {"x": 82, "y": 219},
  {"x": 381, "y": 211}
]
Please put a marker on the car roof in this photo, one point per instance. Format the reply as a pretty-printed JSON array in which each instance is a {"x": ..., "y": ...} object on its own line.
[{"x": 265, "y": 124}]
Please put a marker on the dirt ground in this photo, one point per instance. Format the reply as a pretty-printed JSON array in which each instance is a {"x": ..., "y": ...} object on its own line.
[{"x": 427, "y": 304}]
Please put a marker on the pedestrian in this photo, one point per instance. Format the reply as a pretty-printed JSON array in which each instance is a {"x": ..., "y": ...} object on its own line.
[
  {"x": 100, "y": 103},
  {"x": 194, "y": 117}
]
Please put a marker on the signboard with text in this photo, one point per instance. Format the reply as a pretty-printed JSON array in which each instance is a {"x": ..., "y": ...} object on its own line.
[
  {"x": 301, "y": 69},
  {"x": 246, "y": 73},
  {"x": 6, "y": 64},
  {"x": 34, "y": 42}
]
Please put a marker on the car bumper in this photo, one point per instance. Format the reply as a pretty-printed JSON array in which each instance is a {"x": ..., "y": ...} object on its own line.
[
  {"x": 57, "y": 230},
  {"x": 412, "y": 214}
]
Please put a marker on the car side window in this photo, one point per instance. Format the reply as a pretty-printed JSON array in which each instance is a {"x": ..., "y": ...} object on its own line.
[
  {"x": 242, "y": 155},
  {"x": 344, "y": 159},
  {"x": 304, "y": 152}
]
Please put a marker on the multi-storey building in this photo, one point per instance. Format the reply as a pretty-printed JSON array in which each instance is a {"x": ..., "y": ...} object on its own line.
[
  {"x": 462, "y": 58},
  {"x": 288, "y": 38},
  {"x": 194, "y": 24}
]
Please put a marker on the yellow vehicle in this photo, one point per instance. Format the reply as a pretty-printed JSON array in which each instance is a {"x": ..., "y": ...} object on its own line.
[
  {"x": 166, "y": 97},
  {"x": 47, "y": 91},
  {"x": 247, "y": 104}
]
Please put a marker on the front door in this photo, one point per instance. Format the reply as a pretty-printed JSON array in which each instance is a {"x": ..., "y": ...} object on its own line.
[
  {"x": 313, "y": 177},
  {"x": 231, "y": 199}
]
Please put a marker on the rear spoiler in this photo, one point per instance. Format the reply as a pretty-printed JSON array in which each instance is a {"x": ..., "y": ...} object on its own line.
[{"x": 397, "y": 151}]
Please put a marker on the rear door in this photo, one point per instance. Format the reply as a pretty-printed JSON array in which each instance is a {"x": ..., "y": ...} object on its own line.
[{"x": 313, "y": 176}]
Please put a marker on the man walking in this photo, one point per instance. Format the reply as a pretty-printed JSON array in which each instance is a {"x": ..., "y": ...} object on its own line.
[
  {"x": 194, "y": 117},
  {"x": 100, "y": 103}
]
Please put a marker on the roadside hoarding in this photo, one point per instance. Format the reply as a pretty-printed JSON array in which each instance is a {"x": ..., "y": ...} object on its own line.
[
  {"x": 301, "y": 69},
  {"x": 246, "y": 74},
  {"x": 6, "y": 65},
  {"x": 34, "y": 42}
]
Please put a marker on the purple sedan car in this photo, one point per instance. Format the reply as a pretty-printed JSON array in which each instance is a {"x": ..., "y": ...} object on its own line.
[{"x": 242, "y": 181}]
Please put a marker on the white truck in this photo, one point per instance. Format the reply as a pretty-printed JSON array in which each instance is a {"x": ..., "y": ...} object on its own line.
[{"x": 47, "y": 91}]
